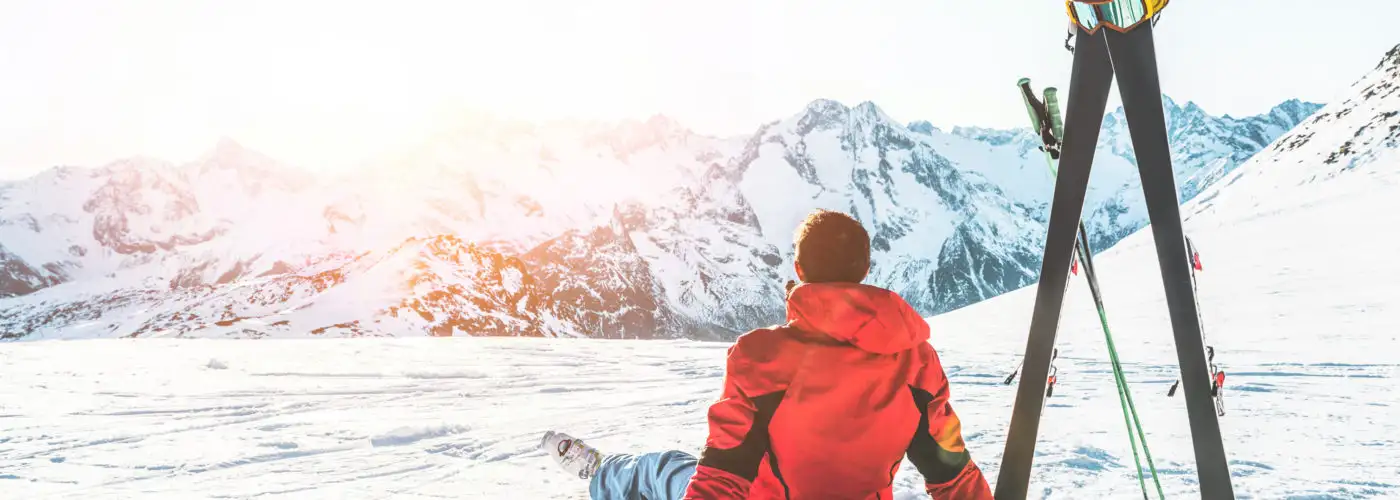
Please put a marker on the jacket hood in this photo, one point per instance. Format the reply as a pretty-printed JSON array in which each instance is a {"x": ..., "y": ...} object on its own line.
[{"x": 872, "y": 319}]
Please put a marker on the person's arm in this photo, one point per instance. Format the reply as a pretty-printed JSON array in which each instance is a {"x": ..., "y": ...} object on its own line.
[
  {"x": 937, "y": 450},
  {"x": 738, "y": 438}
]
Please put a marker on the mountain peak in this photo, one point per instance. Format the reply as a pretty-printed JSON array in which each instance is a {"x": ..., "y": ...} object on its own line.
[
  {"x": 663, "y": 122},
  {"x": 228, "y": 152},
  {"x": 827, "y": 108},
  {"x": 1294, "y": 110},
  {"x": 227, "y": 144},
  {"x": 868, "y": 107},
  {"x": 629, "y": 136},
  {"x": 922, "y": 127},
  {"x": 823, "y": 103},
  {"x": 871, "y": 113},
  {"x": 1295, "y": 104},
  {"x": 827, "y": 114},
  {"x": 138, "y": 163},
  {"x": 820, "y": 114},
  {"x": 252, "y": 167},
  {"x": 59, "y": 173},
  {"x": 994, "y": 136}
]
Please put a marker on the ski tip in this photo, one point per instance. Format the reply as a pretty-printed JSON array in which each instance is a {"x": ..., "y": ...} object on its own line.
[{"x": 1023, "y": 81}]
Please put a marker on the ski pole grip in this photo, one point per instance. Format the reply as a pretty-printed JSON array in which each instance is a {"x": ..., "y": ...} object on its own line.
[{"x": 1052, "y": 104}]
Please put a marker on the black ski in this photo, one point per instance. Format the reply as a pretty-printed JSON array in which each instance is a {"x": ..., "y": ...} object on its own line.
[
  {"x": 1090, "y": 81},
  {"x": 1135, "y": 64},
  {"x": 1098, "y": 57}
]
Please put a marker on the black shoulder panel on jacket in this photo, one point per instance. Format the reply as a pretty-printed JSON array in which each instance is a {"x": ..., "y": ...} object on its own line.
[
  {"x": 743, "y": 460},
  {"x": 935, "y": 463}
]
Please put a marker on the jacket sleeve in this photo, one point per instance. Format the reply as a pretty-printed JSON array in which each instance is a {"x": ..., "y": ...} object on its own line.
[
  {"x": 738, "y": 437},
  {"x": 938, "y": 450}
]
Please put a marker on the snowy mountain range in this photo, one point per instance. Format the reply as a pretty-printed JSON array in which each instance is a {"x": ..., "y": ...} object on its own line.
[
  {"x": 495, "y": 227},
  {"x": 1204, "y": 149}
]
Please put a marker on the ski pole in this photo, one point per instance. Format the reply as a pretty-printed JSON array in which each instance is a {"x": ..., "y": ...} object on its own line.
[{"x": 1012, "y": 376}]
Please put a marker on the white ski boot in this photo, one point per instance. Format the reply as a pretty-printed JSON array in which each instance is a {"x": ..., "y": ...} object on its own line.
[{"x": 572, "y": 454}]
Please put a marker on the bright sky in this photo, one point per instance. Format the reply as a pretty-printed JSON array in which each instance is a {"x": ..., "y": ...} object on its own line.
[{"x": 323, "y": 84}]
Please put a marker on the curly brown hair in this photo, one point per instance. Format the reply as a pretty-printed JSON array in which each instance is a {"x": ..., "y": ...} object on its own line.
[{"x": 832, "y": 247}]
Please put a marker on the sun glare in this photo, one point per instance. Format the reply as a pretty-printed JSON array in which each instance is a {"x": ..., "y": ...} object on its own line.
[{"x": 327, "y": 84}]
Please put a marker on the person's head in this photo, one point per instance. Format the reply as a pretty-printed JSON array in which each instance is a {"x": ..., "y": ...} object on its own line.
[{"x": 831, "y": 247}]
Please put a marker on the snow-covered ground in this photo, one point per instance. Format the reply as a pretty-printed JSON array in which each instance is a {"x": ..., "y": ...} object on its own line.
[{"x": 460, "y": 417}]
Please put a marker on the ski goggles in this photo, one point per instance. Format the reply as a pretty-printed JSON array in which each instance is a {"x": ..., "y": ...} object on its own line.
[{"x": 1119, "y": 15}]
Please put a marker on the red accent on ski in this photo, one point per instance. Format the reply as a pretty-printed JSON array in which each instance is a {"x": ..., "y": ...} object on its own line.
[
  {"x": 1196, "y": 260},
  {"x": 1220, "y": 378},
  {"x": 1074, "y": 266}
]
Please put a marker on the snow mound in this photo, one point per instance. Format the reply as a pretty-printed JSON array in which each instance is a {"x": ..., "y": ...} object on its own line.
[{"x": 409, "y": 435}]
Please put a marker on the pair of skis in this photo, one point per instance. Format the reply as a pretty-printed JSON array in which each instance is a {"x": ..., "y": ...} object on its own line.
[
  {"x": 1100, "y": 55},
  {"x": 1046, "y": 122},
  {"x": 1045, "y": 118}
]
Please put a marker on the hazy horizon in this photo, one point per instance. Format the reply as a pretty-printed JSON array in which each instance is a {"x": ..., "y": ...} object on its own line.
[{"x": 324, "y": 85}]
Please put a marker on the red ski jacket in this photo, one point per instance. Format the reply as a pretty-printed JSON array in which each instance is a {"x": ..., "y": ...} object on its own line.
[{"x": 828, "y": 405}]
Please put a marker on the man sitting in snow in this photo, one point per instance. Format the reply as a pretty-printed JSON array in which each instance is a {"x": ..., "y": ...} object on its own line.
[{"x": 825, "y": 406}]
